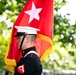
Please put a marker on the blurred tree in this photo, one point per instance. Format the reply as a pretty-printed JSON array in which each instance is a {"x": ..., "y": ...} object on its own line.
[
  {"x": 9, "y": 10},
  {"x": 63, "y": 55}
]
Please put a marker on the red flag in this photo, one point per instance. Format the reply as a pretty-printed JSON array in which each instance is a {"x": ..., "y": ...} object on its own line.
[{"x": 37, "y": 14}]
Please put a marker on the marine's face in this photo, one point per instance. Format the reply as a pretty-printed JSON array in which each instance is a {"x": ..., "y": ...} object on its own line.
[
  {"x": 26, "y": 42},
  {"x": 19, "y": 41},
  {"x": 22, "y": 44}
]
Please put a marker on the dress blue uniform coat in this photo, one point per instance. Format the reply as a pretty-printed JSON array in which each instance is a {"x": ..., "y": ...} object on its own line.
[{"x": 29, "y": 64}]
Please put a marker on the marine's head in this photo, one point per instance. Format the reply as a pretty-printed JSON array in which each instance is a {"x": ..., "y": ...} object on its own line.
[{"x": 26, "y": 36}]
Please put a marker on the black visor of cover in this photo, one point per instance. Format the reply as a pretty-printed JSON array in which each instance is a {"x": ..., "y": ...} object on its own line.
[{"x": 19, "y": 34}]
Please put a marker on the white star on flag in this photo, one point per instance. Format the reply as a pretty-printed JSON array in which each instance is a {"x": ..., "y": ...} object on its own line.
[{"x": 34, "y": 13}]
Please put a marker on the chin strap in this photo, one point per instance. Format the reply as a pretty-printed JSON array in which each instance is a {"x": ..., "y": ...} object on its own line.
[{"x": 22, "y": 42}]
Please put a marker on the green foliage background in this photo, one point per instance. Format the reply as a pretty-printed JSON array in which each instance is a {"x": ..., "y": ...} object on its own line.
[{"x": 63, "y": 55}]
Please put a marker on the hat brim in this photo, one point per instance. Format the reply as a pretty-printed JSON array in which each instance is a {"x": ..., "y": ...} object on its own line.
[{"x": 19, "y": 34}]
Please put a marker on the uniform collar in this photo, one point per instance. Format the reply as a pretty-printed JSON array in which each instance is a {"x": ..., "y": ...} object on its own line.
[{"x": 24, "y": 52}]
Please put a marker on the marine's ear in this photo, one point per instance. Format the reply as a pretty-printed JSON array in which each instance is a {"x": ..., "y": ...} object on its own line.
[{"x": 27, "y": 39}]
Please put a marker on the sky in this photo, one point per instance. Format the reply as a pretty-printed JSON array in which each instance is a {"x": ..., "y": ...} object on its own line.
[{"x": 70, "y": 7}]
